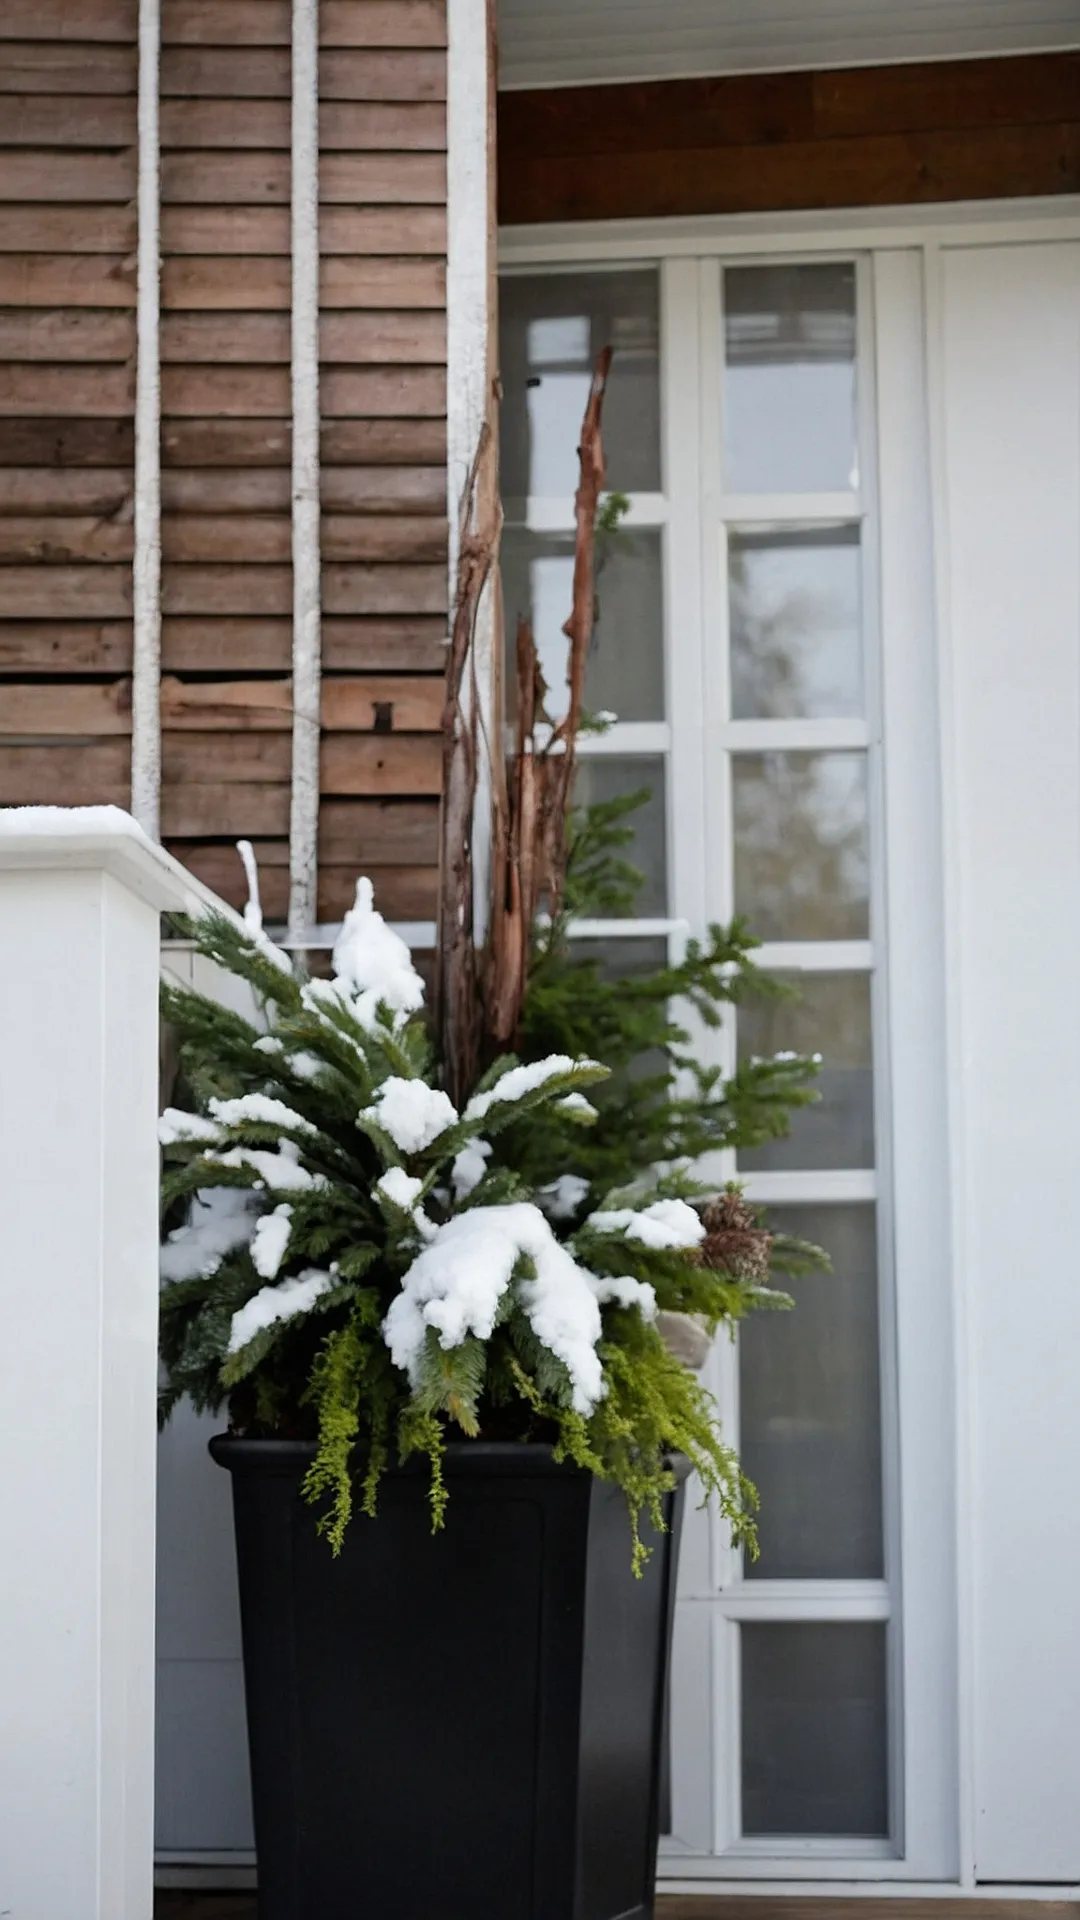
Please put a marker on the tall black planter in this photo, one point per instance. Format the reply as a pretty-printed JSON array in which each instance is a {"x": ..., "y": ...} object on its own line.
[{"x": 465, "y": 1726}]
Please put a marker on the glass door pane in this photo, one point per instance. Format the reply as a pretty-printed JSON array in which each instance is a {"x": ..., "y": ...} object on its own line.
[
  {"x": 796, "y": 624},
  {"x": 829, "y": 1015},
  {"x": 789, "y": 387},
  {"x": 801, "y": 844},
  {"x": 810, "y": 1409},
  {"x": 814, "y": 1729},
  {"x": 552, "y": 326},
  {"x": 625, "y": 670}
]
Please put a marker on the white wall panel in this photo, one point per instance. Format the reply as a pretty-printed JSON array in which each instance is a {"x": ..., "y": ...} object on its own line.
[
  {"x": 1010, "y": 405},
  {"x": 565, "y": 42}
]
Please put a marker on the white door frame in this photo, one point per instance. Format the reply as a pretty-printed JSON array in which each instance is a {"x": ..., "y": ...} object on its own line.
[{"x": 928, "y": 1490}]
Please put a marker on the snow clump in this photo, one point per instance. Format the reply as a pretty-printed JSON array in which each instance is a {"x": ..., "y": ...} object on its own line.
[
  {"x": 175, "y": 1127},
  {"x": 270, "y": 1241},
  {"x": 220, "y": 1220},
  {"x": 457, "y": 1283},
  {"x": 666, "y": 1224},
  {"x": 374, "y": 965},
  {"x": 518, "y": 1081},
  {"x": 304, "y": 1065},
  {"x": 625, "y": 1292},
  {"x": 561, "y": 1198},
  {"x": 253, "y": 919},
  {"x": 404, "y": 1191},
  {"x": 281, "y": 1172},
  {"x": 272, "y": 1304},
  {"x": 469, "y": 1167},
  {"x": 411, "y": 1112},
  {"x": 262, "y": 1111}
]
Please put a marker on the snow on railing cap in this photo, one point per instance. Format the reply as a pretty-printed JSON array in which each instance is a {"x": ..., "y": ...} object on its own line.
[{"x": 67, "y": 839}]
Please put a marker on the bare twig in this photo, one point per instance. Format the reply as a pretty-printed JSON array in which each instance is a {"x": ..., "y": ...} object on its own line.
[{"x": 530, "y": 796}]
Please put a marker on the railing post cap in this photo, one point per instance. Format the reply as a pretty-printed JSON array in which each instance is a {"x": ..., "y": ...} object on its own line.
[{"x": 73, "y": 839}]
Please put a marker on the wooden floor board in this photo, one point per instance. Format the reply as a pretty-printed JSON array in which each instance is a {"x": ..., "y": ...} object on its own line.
[{"x": 765, "y": 1906}]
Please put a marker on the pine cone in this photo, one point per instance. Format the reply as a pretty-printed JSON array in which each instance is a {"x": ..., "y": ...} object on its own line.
[{"x": 734, "y": 1243}]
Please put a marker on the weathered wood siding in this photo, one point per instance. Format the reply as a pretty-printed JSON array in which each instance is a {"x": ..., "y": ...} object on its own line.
[
  {"x": 67, "y": 225},
  {"x": 382, "y": 138},
  {"x": 755, "y": 143},
  {"x": 67, "y": 393}
]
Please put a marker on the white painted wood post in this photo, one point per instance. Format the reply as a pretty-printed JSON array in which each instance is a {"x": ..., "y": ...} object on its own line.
[
  {"x": 146, "y": 574},
  {"x": 307, "y": 586},
  {"x": 81, "y": 891},
  {"x": 470, "y": 343}
]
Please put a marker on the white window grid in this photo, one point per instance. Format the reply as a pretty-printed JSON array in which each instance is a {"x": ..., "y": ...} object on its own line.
[
  {"x": 735, "y": 1600},
  {"x": 696, "y": 740}
]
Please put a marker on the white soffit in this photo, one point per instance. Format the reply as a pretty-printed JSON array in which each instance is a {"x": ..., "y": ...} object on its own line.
[{"x": 570, "y": 42}]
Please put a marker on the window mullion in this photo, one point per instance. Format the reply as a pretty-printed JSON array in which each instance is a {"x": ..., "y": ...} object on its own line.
[{"x": 791, "y": 509}]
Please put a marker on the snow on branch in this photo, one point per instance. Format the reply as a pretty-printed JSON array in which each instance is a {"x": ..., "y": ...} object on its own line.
[
  {"x": 518, "y": 1082},
  {"x": 270, "y": 1240},
  {"x": 666, "y": 1224},
  {"x": 279, "y": 1172},
  {"x": 176, "y": 1128},
  {"x": 272, "y": 1304},
  {"x": 373, "y": 964},
  {"x": 259, "y": 1110},
  {"x": 411, "y": 1113},
  {"x": 220, "y": 1220},
  {"x": 456, "y": 1286}
]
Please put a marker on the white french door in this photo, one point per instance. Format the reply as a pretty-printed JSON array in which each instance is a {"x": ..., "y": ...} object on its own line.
[{"x": 765, "y": 640}]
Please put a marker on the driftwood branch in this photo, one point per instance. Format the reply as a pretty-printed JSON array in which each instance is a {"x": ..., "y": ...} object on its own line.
[
  {"x": 479, "y": 998},
  {"x": 531, "y": 836},
  {"x": 456, "y": 1004}
]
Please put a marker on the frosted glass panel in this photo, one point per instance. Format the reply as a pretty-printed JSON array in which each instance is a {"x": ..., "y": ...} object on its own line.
[
  {"x": 605, "y": 777},
  {"x": 796, "y": 640},
  {"x": 625, "y": 672},
  {"x": 552, "y": 326},
  {"x": 814, "y": 1729},
  {"x": 801, "y": 853},
  {"x": 810, "y": 1408},
  {"x": 789, "y": 388},
  {"x": 831, "y": 1017}
]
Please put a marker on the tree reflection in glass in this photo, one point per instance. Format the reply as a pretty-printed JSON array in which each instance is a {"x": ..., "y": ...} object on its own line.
[
  {"x": 801, "y": 844},
  {"x": 795, "y": 618}
]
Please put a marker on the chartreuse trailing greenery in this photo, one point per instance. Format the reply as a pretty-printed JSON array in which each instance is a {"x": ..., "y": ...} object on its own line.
[{"x": 349, "y": 1258}]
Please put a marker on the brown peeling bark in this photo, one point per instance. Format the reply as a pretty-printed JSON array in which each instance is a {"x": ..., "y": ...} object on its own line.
[
  {"x": 456, "y": 1005},
  {"x": 531, "y": 838},
  {"x": 479, "y": 998}
]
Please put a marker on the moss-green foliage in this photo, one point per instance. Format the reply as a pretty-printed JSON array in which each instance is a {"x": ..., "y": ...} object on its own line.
[{"x": 325, "y": 1372}]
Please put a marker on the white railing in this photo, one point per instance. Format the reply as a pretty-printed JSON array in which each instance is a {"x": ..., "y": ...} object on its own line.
[{"x": 81, "y": 894}]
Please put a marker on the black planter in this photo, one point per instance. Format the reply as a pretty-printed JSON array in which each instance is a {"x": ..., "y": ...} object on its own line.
[{"x": 465, "y": 1726}]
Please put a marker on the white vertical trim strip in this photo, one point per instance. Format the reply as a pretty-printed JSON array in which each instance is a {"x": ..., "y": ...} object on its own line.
[
  {"x": 914, "y": 1089},
  {"x": 469, "y": 265},
  {"x": 307, "y": 615},
  {"x": 146, "y": 580},
  {"x": 468, "y": 246},
  {"x": 955, "y": 1049}
]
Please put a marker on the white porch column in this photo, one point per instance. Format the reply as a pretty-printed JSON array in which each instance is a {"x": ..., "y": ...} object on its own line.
[
  {"x": 81, "y": 891},
  {"x": 1009, "y": 352}
]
